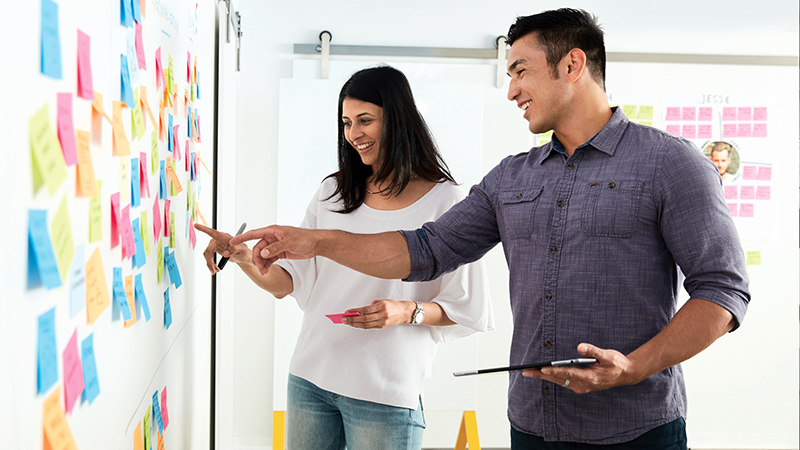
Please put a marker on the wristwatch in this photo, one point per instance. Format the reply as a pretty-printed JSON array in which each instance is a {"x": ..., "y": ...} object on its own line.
[{"x": 419, "y": 314}]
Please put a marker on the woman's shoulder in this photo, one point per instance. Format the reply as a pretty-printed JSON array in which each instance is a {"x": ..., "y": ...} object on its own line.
[{"x": 449, "y": 192}]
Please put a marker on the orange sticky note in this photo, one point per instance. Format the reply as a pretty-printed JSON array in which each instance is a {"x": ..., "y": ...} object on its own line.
[
  {"x": 160, "y": 441},
  {"x": 86, "y": 183},
  {"x": 204, "y": 164},
  {"x": 203, "y": 219},
  {"x": 173, "y": 176},
  {"x": 121, "y": 144},
  {"x": 97, "y": 299},
  {"x": 161, "y": 126},
  {"x": 138, "y": 440},
  {"x": 146, "y": 105},
  {"x": 97, "y": 105},
  {"x": 57, "y": 435},
  {"x": 131, "y": 300}
]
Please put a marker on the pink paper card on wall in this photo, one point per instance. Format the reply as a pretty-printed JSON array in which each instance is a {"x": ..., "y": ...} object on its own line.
[
  {"x": 704, "y": 131},
  {"x": 673, "y": 113},
  {"x": 763, "y": 193},
  {"x": 731, "y": 192},
  {"x": 765, "y": 173},
  {"x": 728, "y": 113},
  {"x": 746, "y": 210},
  {"x": 705, "y": 114},
  {"x": 689, "y": 113}
]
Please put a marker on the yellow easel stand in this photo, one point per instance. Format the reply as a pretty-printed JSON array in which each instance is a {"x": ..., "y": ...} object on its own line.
[
  {"x": 278, "y": 429},
  {"x": 468, "y": 433}
]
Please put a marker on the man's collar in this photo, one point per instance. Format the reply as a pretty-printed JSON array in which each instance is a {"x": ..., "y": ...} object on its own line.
[{"x": 605, "y": 140}]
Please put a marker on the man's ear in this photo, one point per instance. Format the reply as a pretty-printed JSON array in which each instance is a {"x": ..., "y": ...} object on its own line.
[{"x": 575, "y": 64}]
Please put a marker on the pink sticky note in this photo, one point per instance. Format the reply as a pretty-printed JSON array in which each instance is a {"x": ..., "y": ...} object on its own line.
[
  {"x": 731, "y": 192},
  {"x": 126, "y": 231},
  {"x": 729, "y": 130},
  {"x": 764, "y": 173},
  {"x": 188, "y": 67},
  {"x": 689, "y": 131},
  {"x": 760, "y": 130},
  {"x": 198, "y": 129},
  {"x": 705, "y": 114},
  {"x": 159, "y": 71},
  {"x": 688, "y": 113},
  {"x": 192, "y": 236},
  {"x": 186, "y": 156},
  {"x": 763, "y": 193},
  {"x": 73, "y": 373},
  {"x": 744, "y": 130},
  {"x": 746, "y": 210},
  {"x": 750, "y": 173},
  {"x": 115, "y": 219},
  {"x": 144, "y": 182},
  {"x": 166, "y": 218},
  {"x": 156, "y": 221},
  {"x": 744, "y": 114},
  {"x": 66, "y": 131},
  {"x": 728, "y": 113},
  {"x": 674, "y": 130},
  {"x": 673, "y": 113},
  {"x": 748, "y": 193},
  {"x": 734, "y": 209},
  {"x": 704, "y": 131},
  {"x": 85, "y": 86},
  {"x": 140, "y": 47},
  {"x": 164, "y": 413},
  {"x": 175, "y": 143},
  {"x": 760, "y": 113},
  {"x": 337, "y": 318}
]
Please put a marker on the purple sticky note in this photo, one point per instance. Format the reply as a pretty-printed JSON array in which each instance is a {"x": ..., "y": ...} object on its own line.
[
  {"x": 744, "y": 130},
  {"x": 66, "y": 131},
  {"x": 763, "y": 193},
  {"x": 674, "y": 130},
  {"x": 689, "y": 131},
  {"x": 746, "y": 210},
  {"x": 704, "y": 131},
  {"x": 744, "y": 113},
  {"x": 673, "y": 113},
  {"x": 748, "y": 193},
  {"x": 734, "y": 209},
  {"x": 750, "y": 173},
  {"x": 764, "y": 173},
  {"x": 73, "y": 373},
  {"x": 705, "y": 114},
  {"x": 729, "y": 130},
  {"x": 760, "y": 113},
  {"x": 689, "y": 113},
  {"x": 337, "y": 318},
  {"x": 760, "y": 130},
  {"x": 731, "y": 192}
]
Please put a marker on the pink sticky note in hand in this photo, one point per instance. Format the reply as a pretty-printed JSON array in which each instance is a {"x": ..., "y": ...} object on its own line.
[
  {"x": 66, "y": 131},
  {"x": 73, "y": 373},
  {"x": 337, "y": 318}
]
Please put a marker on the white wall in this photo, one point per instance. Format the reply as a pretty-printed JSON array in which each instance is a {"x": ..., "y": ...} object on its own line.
[{"x": 270, "y": 30}]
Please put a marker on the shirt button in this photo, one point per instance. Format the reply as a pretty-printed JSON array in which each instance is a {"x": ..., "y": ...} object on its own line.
[
  {"x": 553, "y": 250},
  {"x": 548, "y": 296},
  {"x": 612, "y": 184},
  {"x": 560, "y": 203},
  {"x": 570, "y": 167},
  {"x": 548, "y": 344},
  {"x": 547, "y": 391},
  {"x": 519, "y": 195}
]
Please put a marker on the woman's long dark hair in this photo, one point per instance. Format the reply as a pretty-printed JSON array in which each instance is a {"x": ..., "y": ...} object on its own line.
[{"x": 406, "y": 141}]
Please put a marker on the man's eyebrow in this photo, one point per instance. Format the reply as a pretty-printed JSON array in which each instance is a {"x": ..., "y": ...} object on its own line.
[{"x": 514, "y": 65}]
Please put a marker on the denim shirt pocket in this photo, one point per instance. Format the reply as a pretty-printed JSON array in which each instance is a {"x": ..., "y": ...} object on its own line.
[
  {"x": 518, "y": 207},
  {"x": 612, "y": 208}
]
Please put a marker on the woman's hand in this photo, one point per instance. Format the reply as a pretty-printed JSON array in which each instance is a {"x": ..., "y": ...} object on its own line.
[
  {"x": 382, "y": 313},
  {"x": 220, "y": 243}
]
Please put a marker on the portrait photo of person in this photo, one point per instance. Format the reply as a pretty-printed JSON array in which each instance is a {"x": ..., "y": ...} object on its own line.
[{"x": 726, "y": 157}]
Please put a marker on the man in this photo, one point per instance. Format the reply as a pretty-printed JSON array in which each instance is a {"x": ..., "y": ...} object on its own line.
[
  {"x": 594, "y": 225},
  {"x": 721, "y": 157}
]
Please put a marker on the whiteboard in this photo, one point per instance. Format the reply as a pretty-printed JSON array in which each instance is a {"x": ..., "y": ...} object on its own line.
[{"x": 136, "y": 362}]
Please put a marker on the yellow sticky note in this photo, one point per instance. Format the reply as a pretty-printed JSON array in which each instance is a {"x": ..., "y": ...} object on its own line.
[
  {"x": 542, "y": 138},
  {"x": 61, "y": 233},
  {"x": 121, "y": 143},
  {"x": 754, "y": 258},
  {"x": 48, "y": 161},
  {"x": 131, "y": 299},
  {"x": 646, "y": 112},
  {"x": 57, "y": 434},
  {"x": 138, "y": 123},
  {"x": 96, "y": 288},
  {"x": 124, "y": 181},
  {"x": 631, "y": 111},
  {"x": 160, "y": 260},
  {"x": 96, "y": 215},
  {"x": 172, "y": 87},
  {"x": 86, "y": 183},
  {"x": 176, "y": 183},
  {"x": 145, "y": 233},
  {"x": 138, "y": 438},
  {"x": 154, "y": 165},
  {"x": 172, "y": 230}
]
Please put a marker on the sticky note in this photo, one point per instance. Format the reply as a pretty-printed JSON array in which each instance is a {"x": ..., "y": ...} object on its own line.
[
  {"x": 674, "y": 130},
  {"x": 145, "y": 230},
  {"x": 115, "y": 219},
  {"x": 138, "y": 438},
  {"x": 172, "y": 190},
  {"x": 631, "y": 111},
  {"x": 164, "y": 413},
  {"x": 750, "y": 173},
  {"x": 760, "y": 130},
  {"x": 57, "y": 435},
  {"x": 171, "y": 76},
  {"x": 40, "y": 249},
  {"x": 146, "y": 105},
  {"x": 140, "y": 47},
  {"x": 96, "y": 288},
  {"x": 96, "y": 215},
  {"x": 47, "y": 373},
  {"x": 124, "y": 180},
  {"x": 192, "y": 235},
  {"x": 51, "y": 40},
  {"x": 131, "y": 296},
  {"x": 73, "y": 373},
  {"x": 159, "y": 70},
  {"x": 48, "y": 161},
  {"x": 746, "y": 210},
  {"x": 90, "y": 380},
  {"x": 760, "y": 113},
  {"x": 729, "y": 130},
  {"x": 173, "y": 176},
  {"x": 137, "y": 117},
  {"x": 728, "y": 113},
  {"x": 121, "y": 145},
  {"x": 744, "y": 130},
  {"x": 141, "y": 298},
  {"x": 673, "y": 113},
  {"x": 748, "y": 192},
  {"x": 159, "y": 260},
  {"x": 754, "y": 257},
  {"x": 63, "y": 244},
  {"x": 85, "y": 178},
  {"x": 77, "y": 282},
  {"x": 156, "y": 221},
  {"x": 337, "y": 318},
  {"x": 126, "y": 89},
  {"x": 66, "y": 130},
  {"x": 135, "y": 186},
  {"x": 160, "y": 441},
  {"x": 704, "y": 131},
  {"x": 172, "y": 268},
  {"x": 137, "y": 13},
  {"x": 689, "y": 113},
  {"x": 689, "y": 131},
  {"x": 125, "y": 13},
  {"x": 139, "y": 258},
  {"x": 119, "y": 294},
  {"x": 744, "y": 113},
  {"x": 763, "y": 193},
  {"x": 166, "y": 218},
  {"x": 764, "y": 173},
  {"x": 154, "y": 156},
  {"x": 162, "y": 185},
  {"x": 731, "y": 192},
  {"x": 170, "y": 130},
  {"x": 147, "y": 444},
  {"x": 734, "y": 208},
  {"x": 85, "y": 85},
  {"x": 167, "y": 323},
  {"x": 172, "y": 243},
  {"x": 126, "y": 232},
  {"x": 705, "y": 114}
]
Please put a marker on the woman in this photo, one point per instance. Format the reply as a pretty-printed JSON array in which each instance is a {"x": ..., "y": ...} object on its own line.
[{"x": 350, "y": 386}]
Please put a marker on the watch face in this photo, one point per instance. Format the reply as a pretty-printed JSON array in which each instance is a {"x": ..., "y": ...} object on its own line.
[{"x": 419, "y": 316}]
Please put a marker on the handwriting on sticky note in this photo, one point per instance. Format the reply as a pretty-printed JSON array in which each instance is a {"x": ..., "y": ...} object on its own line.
[
  {"x": 66, "y": 130},
  {"x": 42, "y": 249},
  {"x": 73, "y": 373},
  {"x": 96, "y": 288},
  {"x": 90, "y": 380},
  {"x": 46, "y": 351},
  {"x": 337, "y": 318},
  {"x": 56, "y": 428},
  {"x": 48, "y": 161},
  {"x": 51, "y": 42},
  {"x": 63, "y": 244},
  {"x": 85, "y": 83}
]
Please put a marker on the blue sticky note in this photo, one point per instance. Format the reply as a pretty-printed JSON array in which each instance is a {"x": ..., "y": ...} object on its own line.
[
  {"x": 170, "y": 138},
  {"x": 47, "y": 373},
  {"x": 51, "y": 41},
  {"x": 39, "y": 238},
  {"x": 77, "y": 282},
  {"x": 197, "y": 89},
  {"x": 192, "y": 168},
  {"x": 125, "y": 13},
  {"x": 137, "y": 11},
  {"x": 139, "y": 258},
  {"x": 136, "y": 194},
  {"x": 90, "y": 380},
  {"x": 126, "y": 94},
  {"x": 189, "y": 122},
  {"x": 172, "y": 267},
  {"x": 119, "y": 294},
  {"x": 141, "y": 298},
  {"x": 162, "y": 189},
  {"x": 167, "y": 312},
  {"x": 157, "y": 413}
]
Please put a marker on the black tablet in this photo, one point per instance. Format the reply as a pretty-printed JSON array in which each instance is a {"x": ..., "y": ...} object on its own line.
[{"x": 565, "y": 362}]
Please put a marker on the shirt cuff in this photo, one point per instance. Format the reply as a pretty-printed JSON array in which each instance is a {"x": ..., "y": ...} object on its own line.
[{"x": 422, "y": 263}]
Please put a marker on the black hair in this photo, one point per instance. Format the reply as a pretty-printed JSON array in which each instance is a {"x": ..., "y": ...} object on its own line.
[
  {"x": 561, "y": 30},
  {"x": 407, "y": 144}
]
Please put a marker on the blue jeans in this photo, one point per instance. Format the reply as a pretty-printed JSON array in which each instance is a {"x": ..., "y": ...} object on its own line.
[
  {"x": 317, "y": 419},
  {"x": 671, "y": 436}
]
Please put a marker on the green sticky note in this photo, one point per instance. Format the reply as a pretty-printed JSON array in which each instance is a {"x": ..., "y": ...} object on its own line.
[
  {"x": 96, "y": 215},
  {"x": 48, "y": 161},
  {"x": 754, "y": 258},
  {"x": 171, "y": 78},
  {"x": 137, "y": 117},
  {"x": 159, "y": 260},
  {"x": 171, "y": 229},
  {"x": 646, "y": 112},
  {"x": 631, "y": 111},
  {"x": 154, "y": 151},
  {"x": 145, "y": 230},
  {"x": 544, "y": 138},
  {"x": 146, "y": 429},
  {"x": 172, "y": 191},
  {"x": 194, "y": 210},
  {"x": 63, "y": 244}
]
